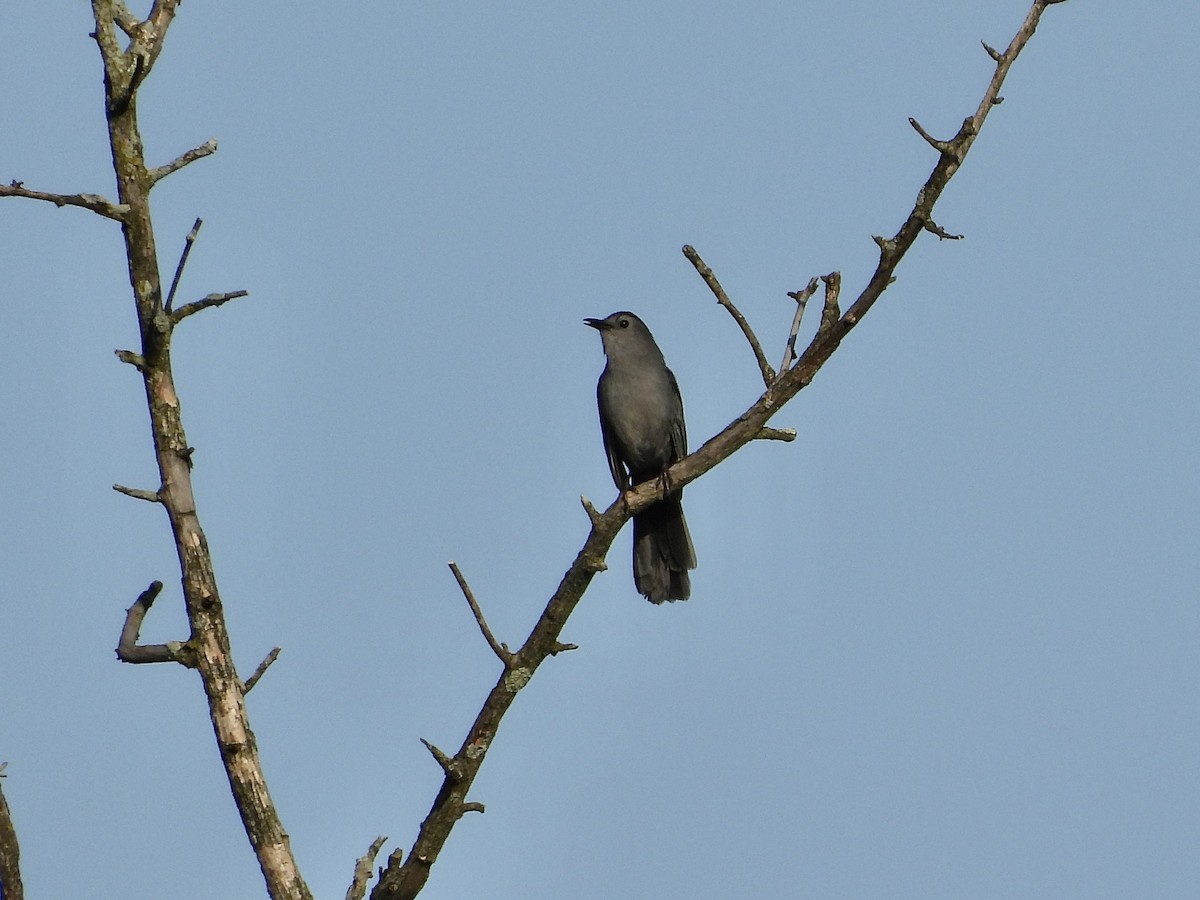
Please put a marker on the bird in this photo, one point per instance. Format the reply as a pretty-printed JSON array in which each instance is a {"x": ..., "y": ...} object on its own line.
[{"x": 641, "y": 421}]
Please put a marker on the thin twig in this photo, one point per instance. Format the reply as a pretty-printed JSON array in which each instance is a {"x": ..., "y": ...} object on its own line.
[
  {"x": 764, "y": 367},
  {"x": 443, "y": 760},
  {"x": 501, "y": 650},
  {"x": 787, "y": 435},
  {"x": 592, "y": 513},
  {"x": 934, "y": 228},
  {"x": 183, "y": 258},
  {"x": 939, "y": 146},
  {"x": 801, "y": 298},
  {"x": 138, "y": 493},
  {"x": 128, "y": 648},
  {"x": 208, "y": 148},
  {"x": 93, "y": 202},
  {"x": 261, "y": 670},
  {"x": 362, "y": 870},
  {"x": 178, "y": 315},
  {"x": 134, "y": 359}
]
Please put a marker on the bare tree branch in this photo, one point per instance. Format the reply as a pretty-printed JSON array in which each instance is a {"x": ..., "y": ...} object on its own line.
[
  {"x": 442, "y": 759},
  {"x": 939, "y": 146},
  {"x": 93, "y": 202},
  {"x": 267, "y": 662},
  {"x": 362, "y": 870},
  {"x": 801, "y": 298},
  {"x": 209, "y": 645},
  {"x": 183, "y": 258},
  {"x": 787, "y": 435},
  {"x": 764, "y": 367},
  {"x": 11, "y": 887},
  {"x": 404, "y": 880},
  {"x": 133, "y": 359},
  {"x": 178, "y": 315},
  {"x": 128, "y": 648},
  {"x": 934, "y": 228},
  {"x": 139, "y": 494},
  {"x": 501, "y": 650},
  {"x": 208, "y": 148},
  {"x": 592, "y": 512}
]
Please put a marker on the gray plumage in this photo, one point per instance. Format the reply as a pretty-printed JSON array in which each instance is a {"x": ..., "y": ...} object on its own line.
[{"x": 641, "y": 420}]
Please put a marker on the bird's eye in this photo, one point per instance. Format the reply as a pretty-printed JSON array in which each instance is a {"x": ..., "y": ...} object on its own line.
[{"x": 624, "y": 323}]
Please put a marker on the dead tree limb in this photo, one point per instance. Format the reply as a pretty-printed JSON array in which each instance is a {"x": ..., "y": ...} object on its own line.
[
  {"x": 403, "y": 880},
  {"x": 125, "y": 70},
  {"x": 93, "y": 202}
]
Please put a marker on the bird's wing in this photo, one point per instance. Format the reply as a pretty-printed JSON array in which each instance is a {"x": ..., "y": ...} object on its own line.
[
  {"x": 678, "y": 427},
  {"x": 615, "y": 465}
]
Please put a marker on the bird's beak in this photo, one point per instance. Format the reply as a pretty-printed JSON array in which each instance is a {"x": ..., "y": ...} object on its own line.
[{"x": 598, "y": 324}]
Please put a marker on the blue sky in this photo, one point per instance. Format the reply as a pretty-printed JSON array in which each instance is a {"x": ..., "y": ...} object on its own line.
[{"x": 942, "y": 646}]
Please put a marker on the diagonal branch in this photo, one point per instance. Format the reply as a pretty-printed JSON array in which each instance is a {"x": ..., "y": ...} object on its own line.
[
  {"x": 764, "y": 367},
  {"x": 183, "y": 258},
  {"x": 501, "y": 650},
  {"x": 404, "y": 880},
  {"x": 178, "y": 315},
  {"x": 209, "y": 647},
  {"x": 126, "y": 21},
  {"x": 208, "y": 148},
  {"x": 94, "y": 202},
  {"x": 953, "y": 152},
  {"x": 267, "y": 662},
  {"x": 362, "y": 870},
  {"x": 801, "y": 298}
]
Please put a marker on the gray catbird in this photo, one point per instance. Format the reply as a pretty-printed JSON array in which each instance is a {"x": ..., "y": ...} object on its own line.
[{"x": 641, "y": 419}]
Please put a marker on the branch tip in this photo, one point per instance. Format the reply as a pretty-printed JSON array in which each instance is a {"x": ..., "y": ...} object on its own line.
[
  {"x": 787, "y": 435},
  {"x": 934, "y": 228},
  {"x": 362, "y": 870},
  {"x": 134, "y": 359},
  {"x": 592, "y": 513},
  {"x": 130, "y": 651},
  {"x": 801, "y": 298},
  {"x": 139, "y": 494},
  {"x": 211, "y": 300},
  {"x": 443, "y": 760},
  {"x": 208, "y": 148},
  {"x": 183, "y": 258},
  {"x": 944, "y": 147},
  {"x": 261, "y": 671}
]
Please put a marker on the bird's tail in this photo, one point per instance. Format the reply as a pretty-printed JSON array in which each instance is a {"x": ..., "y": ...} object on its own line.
[{"x": 662, "y": 552}]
